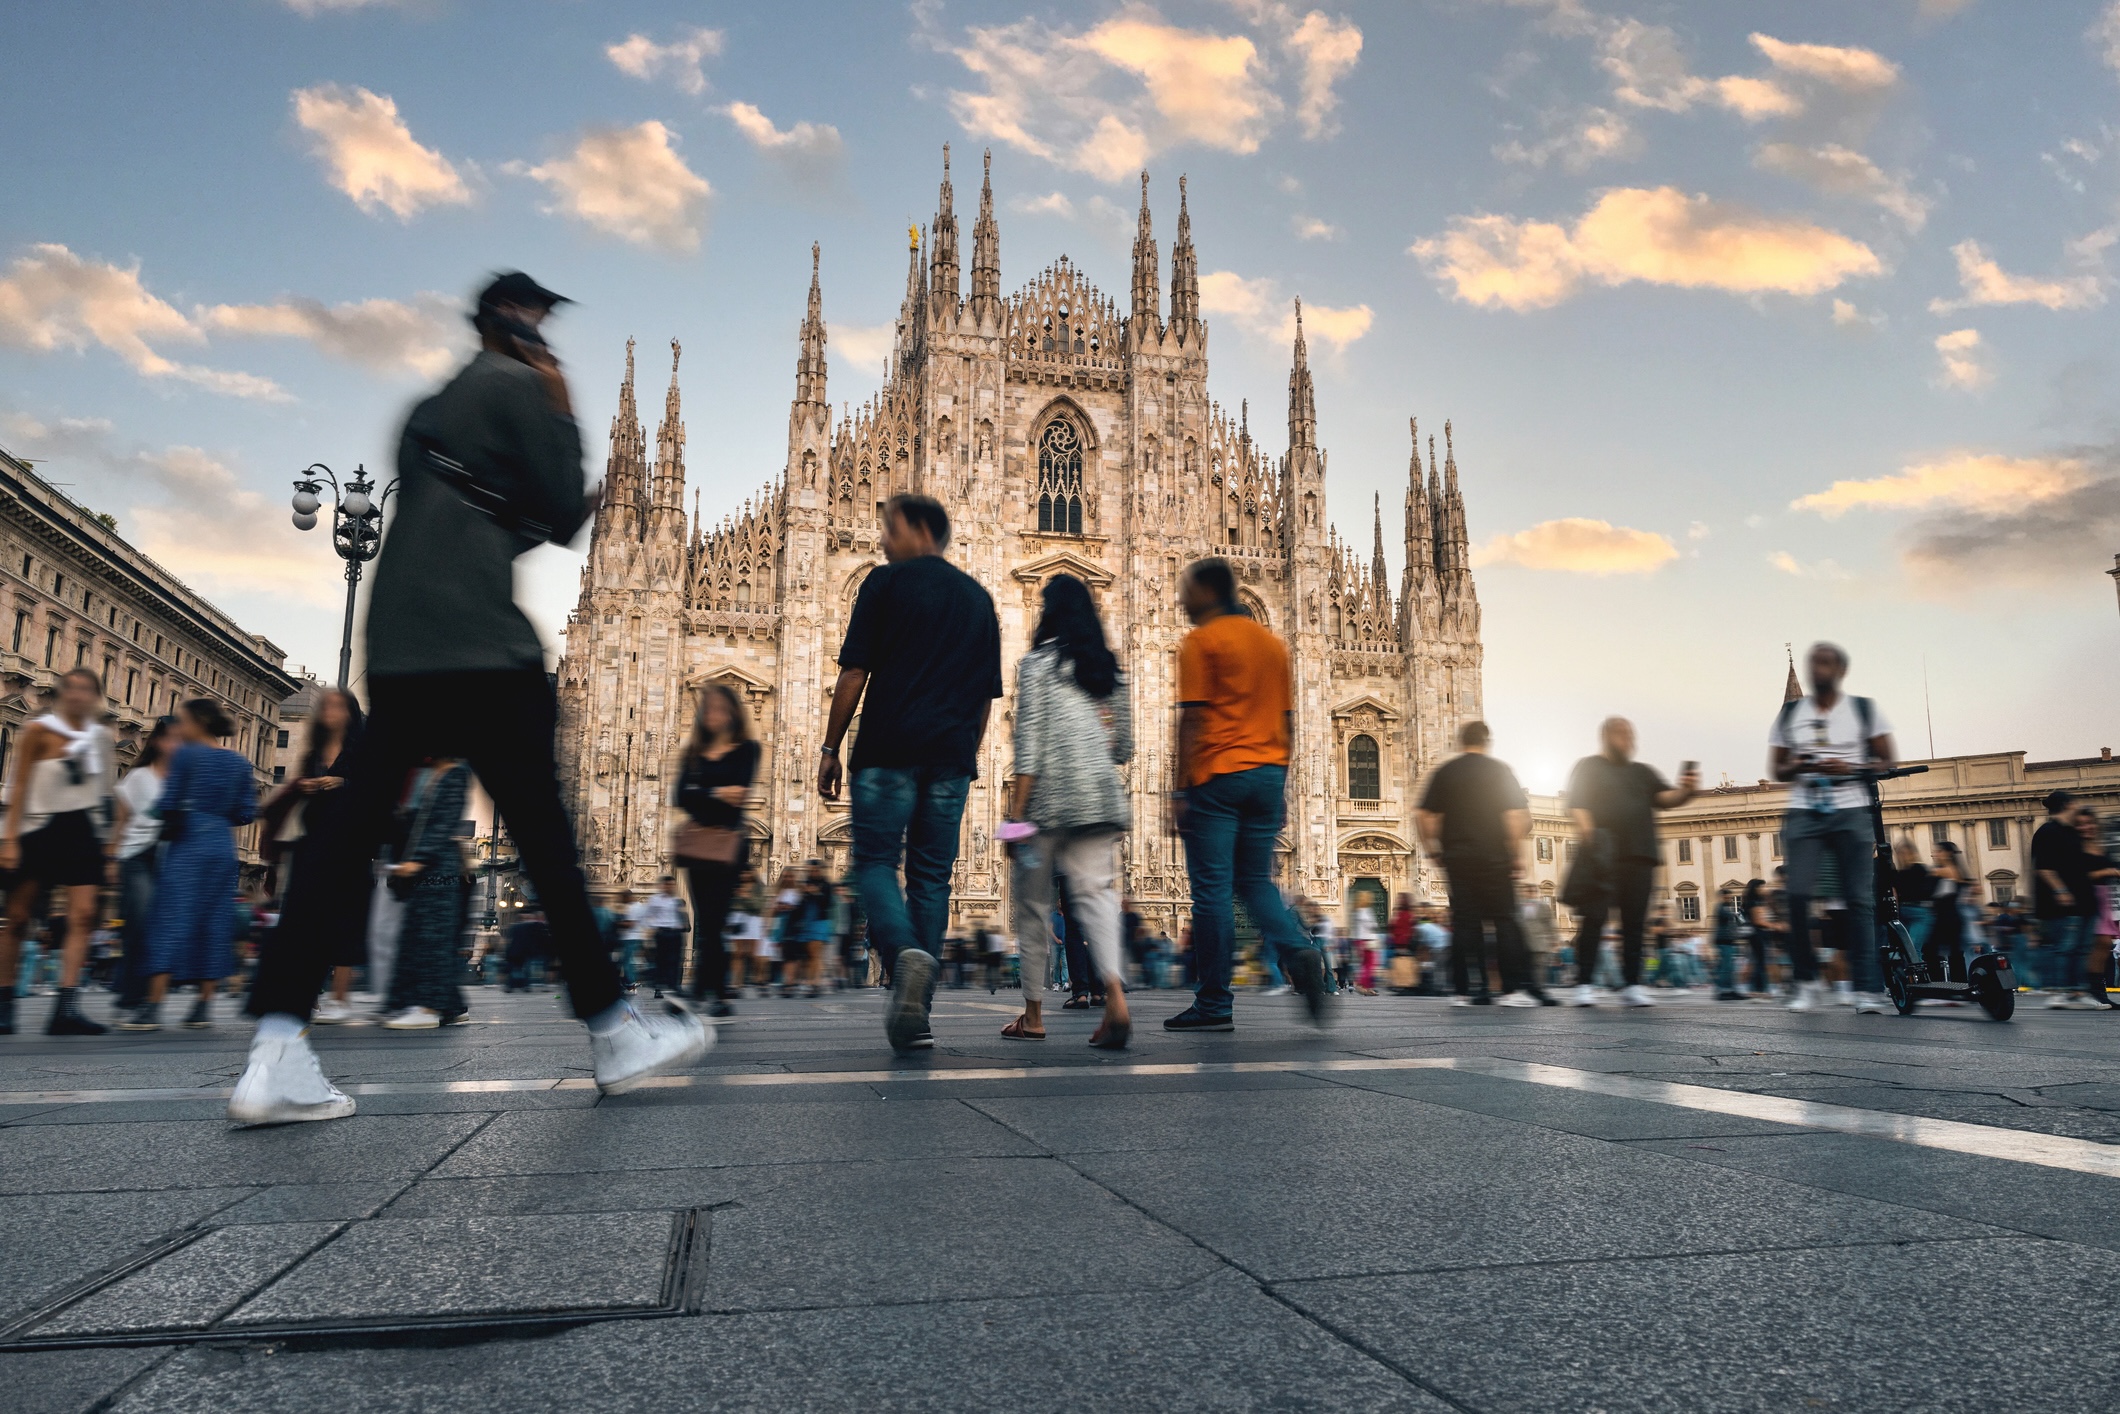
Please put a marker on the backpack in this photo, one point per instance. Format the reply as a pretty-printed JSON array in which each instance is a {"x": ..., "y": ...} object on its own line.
[{"x": 1865, "y": 714}]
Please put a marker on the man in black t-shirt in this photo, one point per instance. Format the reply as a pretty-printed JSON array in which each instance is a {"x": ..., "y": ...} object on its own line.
[
  {"x": 924, "y": 645},
  {"x": 2063, "y": 899},
  {"x": 1473, "y": 820},
  {"x": 1613, "y": 800}
]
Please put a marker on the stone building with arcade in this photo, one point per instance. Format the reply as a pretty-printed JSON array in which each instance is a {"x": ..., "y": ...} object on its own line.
[{"x": 1067, "y": 433}]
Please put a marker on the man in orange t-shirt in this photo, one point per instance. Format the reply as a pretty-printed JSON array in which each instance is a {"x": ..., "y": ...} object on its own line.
[{"x": 1236, "y": 705}]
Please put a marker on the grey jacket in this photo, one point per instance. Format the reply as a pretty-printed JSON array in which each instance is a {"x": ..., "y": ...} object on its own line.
[
  {"x": 444, "y": 593},
  {"x": 1063, "y": 739}
]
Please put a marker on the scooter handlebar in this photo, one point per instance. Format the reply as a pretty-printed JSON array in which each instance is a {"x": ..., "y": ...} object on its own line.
[{"x": 1894, "y": 774}]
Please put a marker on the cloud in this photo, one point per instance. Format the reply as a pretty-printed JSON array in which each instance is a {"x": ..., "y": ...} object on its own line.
[
  {"x": 630, "y": 183},
  {"x": 1575, "y": 141},
  {"x": 371, "y": 155},
  {"x": 423, "y": 337},
  {"x": 52, "y": 299},
  {"x": 1823, "y": 569},
  {"x": 1660, "y": 237},
  {"x": 1312, "y": 228},
  {"x": 210, "y": 529},
  {"x": 1847, "y": 316},
  {"x": 1963, "y": 366},
  {"x": 1943, "y": 9},
  {"x": 1649, "y": 71},
  {"x": 1986, "y": 283},
  {"x": 1756, "y": 100},
  {"x": 1842, "y": 171},
  {"x": 1107, "y": 99},
  {"x": 679, "y": 61},
  {"x": 2104, "y": 35},
  {"x": 809, "y": 152},
  {"x": 1051, "y": 204},
  {"x": 310, "y": 9},
  {"x": 1258, "y": 307},
  {"x": 863, "y": 346},
  {"x": 1983, "y": 483},
  {"x": 1853, "y": 70},
  {"x": 1579, "y": 546}
]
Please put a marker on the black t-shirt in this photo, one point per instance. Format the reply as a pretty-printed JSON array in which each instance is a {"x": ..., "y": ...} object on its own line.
[
  {"x": 1472, "y": 792},
  {"x": 1914, "y": 884},
  {"x": 926, "y": 633},
  {"x": 2056, "y": 846},
  {"x": 695, "y": 788},
  {"x": 1621, "y": 799}
]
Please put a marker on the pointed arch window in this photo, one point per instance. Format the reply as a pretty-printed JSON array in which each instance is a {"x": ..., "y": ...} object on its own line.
[
  {"x": 1365, "y": 777},
  {"x": 1060, "y": 479}
]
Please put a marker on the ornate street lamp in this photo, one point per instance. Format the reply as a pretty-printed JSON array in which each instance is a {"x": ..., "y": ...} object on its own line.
[{"x": 356, "y": 531}]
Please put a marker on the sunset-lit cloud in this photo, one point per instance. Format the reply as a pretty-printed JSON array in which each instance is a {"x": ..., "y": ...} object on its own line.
[
  {"x": 52, "y": 299},
  {"x": 1964, "y": 365},
  {"x": 680, "y": 60},
  {"x": 1313, "y": 228},
  {"x": 1984, "y": 483},
  {"x": 1258, "y": 307},
  {"x": 371, "y": 155},
  {"x": 629, "y": 183},
  {"x": 807, "y": 151},
  {"x": 1842, "y": 171},
  {"x": 1788, "y": 564},
  {"x": 1580, "y": 546},
  {"x": 1984, "y": 282},
  {"x": 425, "y": 337},
  {"x": 1852, "y": 69},
  {"x": 1575, "y": 140},
  {"x": 1660, "y": 237}
]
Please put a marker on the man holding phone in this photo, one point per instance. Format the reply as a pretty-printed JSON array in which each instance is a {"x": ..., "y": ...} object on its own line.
[{"x": 1613, "y": 800}]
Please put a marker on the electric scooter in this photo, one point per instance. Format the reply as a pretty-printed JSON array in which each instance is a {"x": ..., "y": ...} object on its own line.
[{"x": 1988, "y": 978}]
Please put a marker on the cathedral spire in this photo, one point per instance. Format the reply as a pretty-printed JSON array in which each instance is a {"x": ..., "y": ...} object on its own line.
[
  {"x": 1460, "y": 551},
  {"x": 1420, "y": 532},
  {"x": 986, "y": 251},
  {"x": 1791, "y": 689},
  {"x": 912, "y": 315},
  {"x": 1377, "y": 572},
  {"x": 1302, "y": 400},
  {"x": 1145, "y": 324},
  {"x": 1184, "y": 277},
  {"x": 943, "y": 260},
  {"x": 669, "y": 487},
  {"x": 1438, "y": 510},
  {"x": 626, "y": 470},
  {"x": 809, "y": 363}
]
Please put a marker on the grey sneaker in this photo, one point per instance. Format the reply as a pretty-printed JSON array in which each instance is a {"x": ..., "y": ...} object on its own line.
[
  {"x": 905, "y": 1021},
  {"x": 1307, "y": 971}
]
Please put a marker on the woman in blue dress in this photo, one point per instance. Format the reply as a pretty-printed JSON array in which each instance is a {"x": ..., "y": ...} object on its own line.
[{"x": 210, "y": 790}]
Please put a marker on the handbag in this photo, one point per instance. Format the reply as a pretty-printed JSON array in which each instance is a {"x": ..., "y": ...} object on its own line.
[
  {"x": 706, "y": 844},
  {"x": 404, "y": 885},
  {"x": 1589, "y": 882}
]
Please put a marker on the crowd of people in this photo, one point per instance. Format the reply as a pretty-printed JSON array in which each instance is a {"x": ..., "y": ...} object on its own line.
[{"x": 371, "y": 866}]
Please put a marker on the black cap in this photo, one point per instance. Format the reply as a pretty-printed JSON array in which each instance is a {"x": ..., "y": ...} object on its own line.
[{"x": 514, "y": 287}]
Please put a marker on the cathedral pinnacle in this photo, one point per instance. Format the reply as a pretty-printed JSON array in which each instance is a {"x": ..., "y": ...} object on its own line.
[
  {"x": 943, "y": 259},
  {"x": 1302, "y": 399},
  {"x": 1147, "y": 304},
  {"x": 986, "y": 251},
  {"x": 669, "y": 487},
  {"x": 809, "y": 362},
  {"x": 1184, "y": 277},
  {"x": 1377, "y": 571}
]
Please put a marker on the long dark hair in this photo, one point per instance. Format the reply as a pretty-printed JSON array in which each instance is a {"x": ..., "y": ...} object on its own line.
[
  {"x": 313, "y": 739},
  {"x": 1070, "y": 623},
  {"x": 157, "y": 744},
  {"x": 739, "y": 720}
]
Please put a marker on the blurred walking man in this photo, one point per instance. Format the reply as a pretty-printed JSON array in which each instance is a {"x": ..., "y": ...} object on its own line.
[
  {"x": 1473, "y": 820},
  {"x": 924, "y": 644},
  {"x": 1817, "y": 743},
  {"x": 1236, "y": 706},
  {"x": 489, "y": 467},
  {"x": 1614, "y": 799}
]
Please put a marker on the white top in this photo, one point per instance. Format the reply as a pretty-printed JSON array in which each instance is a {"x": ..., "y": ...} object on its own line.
[
  {"x": 662, "y": 911},
  {"x": 1828, "y": 736},
  {"x": 1365, "y": 924},
  {"x": 52, "y": 787},
  {"x": 636, "y": 919},
  {"x": 140, "y": 790}
]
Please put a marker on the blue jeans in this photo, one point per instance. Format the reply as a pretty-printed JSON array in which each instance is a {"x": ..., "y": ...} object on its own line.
[
  {"x": 909, "y": 814},
  {"x": 1806, "y": 835},
  {"x": 2065, "y": 940},
  {"x": 1231, "y": 823}
]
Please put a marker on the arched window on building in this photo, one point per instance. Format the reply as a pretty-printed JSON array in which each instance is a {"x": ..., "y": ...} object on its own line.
[
  {"x": 1365, "y": 777},
  {"x": 2002, "y": 886},
  {"x": 1060, "y": 479}
]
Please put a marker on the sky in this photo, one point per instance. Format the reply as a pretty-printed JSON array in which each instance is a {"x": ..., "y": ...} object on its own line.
[{"x": 1757, "y": 323}]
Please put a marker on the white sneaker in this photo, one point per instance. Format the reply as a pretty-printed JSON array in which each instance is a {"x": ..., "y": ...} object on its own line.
[
  {"x": 283, "y": 1084},
  {"x": 905, "y": 1016},
  {"x": 1808, "y": 997},
  {"x": 331, "y": 1012},
  {"x": 2057, "y": 1001},
  {"x": 1843, "y": 995},
  {"x": 1873, "y": 1003},
  {"x": 414, "y": 1018},
  {"x": 1585, "y": 995},
  {"x": 2084, "y": 1002},
  {"x": 1281, "y": 991},
  {"x": 1636, "y": 995},
  {"x": 1461, "y": 1001},
  {"x": 644, "y": 1044},
  {"x": 1518, "y": 999}
]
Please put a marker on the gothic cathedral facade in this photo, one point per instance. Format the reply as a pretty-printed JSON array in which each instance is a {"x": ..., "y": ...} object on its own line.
[{"x": 1066, "y": 437}]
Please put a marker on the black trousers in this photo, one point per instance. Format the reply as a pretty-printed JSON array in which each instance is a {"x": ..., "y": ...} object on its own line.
[
  {"x": 1631, "y": 879},
  {"x": 502, "y": 723},
  {"x": 713, "y": 890},
  {"x": 1482, "y": 891}
]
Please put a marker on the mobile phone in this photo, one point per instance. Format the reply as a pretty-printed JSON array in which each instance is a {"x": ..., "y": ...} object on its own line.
[{"x": 1687, "y": 768}]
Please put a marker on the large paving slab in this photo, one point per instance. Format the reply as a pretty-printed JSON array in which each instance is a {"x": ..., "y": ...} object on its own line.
[{"x": 203, "y": 1153}]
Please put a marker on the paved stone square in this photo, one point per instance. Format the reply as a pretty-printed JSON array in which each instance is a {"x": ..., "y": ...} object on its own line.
[{"x": 1698, "y": 1207}]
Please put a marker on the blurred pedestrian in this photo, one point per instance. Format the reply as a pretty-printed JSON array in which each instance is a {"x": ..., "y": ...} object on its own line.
[
  {"x": 1952, "y": 890},
  {"x": 209, "y": 791},
  {"x": 1074, "y": 729},
  {"x": 427, "y": 873},
  {"x": 663, "y": 920},
  {"x": 923, "y": 645},
  {"x": 324, "y": 913},
  {"x": 713, "y": 846},
  {"x": 1473, "y": 817},
  {"x": 1613, "y": 800},
  {"x": 136, "y": 843},
  {"x": 2101, "y": 876}
]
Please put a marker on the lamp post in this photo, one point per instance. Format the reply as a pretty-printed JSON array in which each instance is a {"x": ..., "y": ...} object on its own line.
[{"x": 356, "y": 531}]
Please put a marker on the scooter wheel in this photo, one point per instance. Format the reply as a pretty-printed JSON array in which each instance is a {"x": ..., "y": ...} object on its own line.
[
  {"x": 1899, "y": 987},
  {"x": 1995, "y": 999}
]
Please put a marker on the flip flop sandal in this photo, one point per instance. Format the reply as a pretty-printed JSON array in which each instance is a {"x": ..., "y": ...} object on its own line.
[
  {"x": 1017, "y": 1031},
  {"x": 1113, "y": 1035}
]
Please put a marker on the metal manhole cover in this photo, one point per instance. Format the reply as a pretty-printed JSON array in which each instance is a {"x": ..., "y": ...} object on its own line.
[{"x": 380, "y": 1277}]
